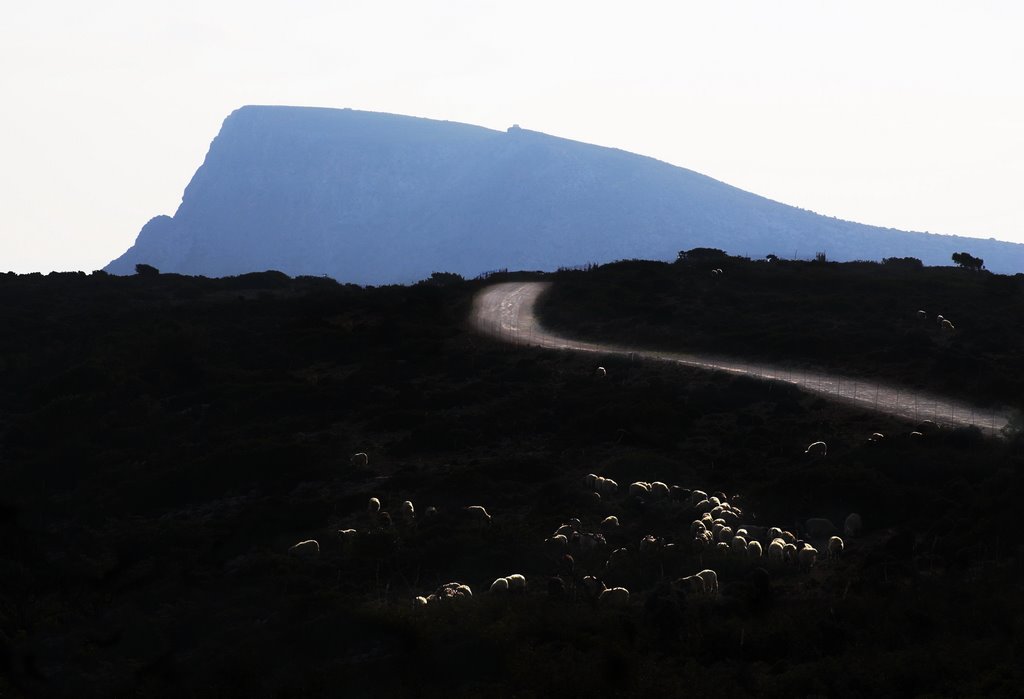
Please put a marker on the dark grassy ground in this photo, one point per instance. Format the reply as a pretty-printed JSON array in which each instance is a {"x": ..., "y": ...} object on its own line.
[{"x": 166, "y": 439}]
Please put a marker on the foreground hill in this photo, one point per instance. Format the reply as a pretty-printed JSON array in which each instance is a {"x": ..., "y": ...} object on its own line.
[
  {"x": 379, "y": 198},
  {"x": 165, "y": 439}
]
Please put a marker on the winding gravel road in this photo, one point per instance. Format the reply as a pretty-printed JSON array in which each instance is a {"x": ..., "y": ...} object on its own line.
[{"x": 506, "y": 311}]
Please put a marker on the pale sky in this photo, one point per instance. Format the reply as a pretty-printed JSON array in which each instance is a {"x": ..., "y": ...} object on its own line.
[{"x": 904, "y": 113}]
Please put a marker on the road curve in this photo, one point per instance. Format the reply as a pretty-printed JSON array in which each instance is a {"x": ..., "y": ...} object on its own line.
[{"x": 506, "y": 311}]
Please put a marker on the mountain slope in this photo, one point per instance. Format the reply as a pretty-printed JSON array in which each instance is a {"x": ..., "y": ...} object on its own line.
[{"x": 379, "y": 198}]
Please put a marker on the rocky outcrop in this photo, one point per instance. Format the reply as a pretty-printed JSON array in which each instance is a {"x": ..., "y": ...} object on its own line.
[{"x": 379, "y": 198}]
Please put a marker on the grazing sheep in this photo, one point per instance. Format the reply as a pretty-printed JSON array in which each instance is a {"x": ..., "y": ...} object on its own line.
[
  {"x": 738, "y": 544},
  {"x": 853, "y": 525},
  {"x": 876, "y": 437},
  {"x": 499, "y": 586},
  {"x": 921, "y": 315},
  {"x": 775, "y": 550},
  {"x": 605, "y": 486},
  {"x": 516, "y": 582},
  {"x": 614, "y": 597},
  {"x": 774, "y": 533},
  {"x": 373, "y": 506},
  {"x": 724, "y": 534},
  {"x": 916, "y": 435},
  {"x": 807, "y": 556},
  {"x": 927, "y": 427},
  {"x": 649, "y": 544},
  {"x": 407, "y": 512},
  {"x": 789, "y": 552},
  {"x": 359, "y": 459},
  {"x": 478, "y": 514},
  {"x": 348, "y": 538},
  {"x": 566, "y": 530},
  {"x": 659, "y": 490},
  {"x": 754, "y": 549},
  {"x": 557, "y": 545},
  {"x": 600, "y": 371},
  {"x": 947, "y": 326},
  {"x": 704, "y": 506},
  {"x": 592, "y": 586},
  {"x": 710, "y": 579},
  {"x": 835, "y": 548},
  {"x": 722, "y": 546},
  {"x": 617, "y": 558},
  {"x": 639, "y": 489},
  {"x": 590, "y": 480},
  {"x": 420, "y": 602},
  {"x": 587, "y": 541},
  {"x": 310, "y": 548},
  {"x": 819, "y": 528},
  {"x": 610, "y": 523},
  {"x": 697, "y": 526},
  {"x": 817, "y": 449},
  {"x": 789, "y": 537},
  {"x": 450, "y": 592},
  {"x": 696, "y": 496}
]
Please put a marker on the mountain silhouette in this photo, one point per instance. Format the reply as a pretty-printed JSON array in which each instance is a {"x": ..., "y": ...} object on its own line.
[{"x": 375, "y": 198}]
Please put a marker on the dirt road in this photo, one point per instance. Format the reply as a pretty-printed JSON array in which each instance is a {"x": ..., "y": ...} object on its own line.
[{"x": 506, "y": 311}]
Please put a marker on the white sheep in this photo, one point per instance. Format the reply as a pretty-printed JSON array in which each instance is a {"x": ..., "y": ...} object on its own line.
[
  {"x": 590, "y": 480},
  {"x": 710, "y": 579},
  {"x": 722, "y": 546},
  {"x": 817, "y": 449},
  {"x": 373, "y": 506},
  {"x": 407, "y": 511},
  {"x": 704, "y": 506},
  {"x": 587, "y": 541},
  {"x": 499, "y": 586},
  {"x": 922, "y": 315},
  {"x": 696, "y": 496},
  {"x": 835, "y": 548},
  {"x": 478, "y": 514},
  {"x": 807, "y": 556},
  {"x": 775, "y": 550},
  {"x": 774, "y": 533},
  {"x": 659, "y": 490},
  {"x": 610, "y": 523},
  {"x": 697, "y": 526},
  {"x": 947, "y": 326},
  {"x": 739, "y": 544},
  {"x": 853, "y": 525},
  {"x": 600, "y": 371},
  {"x": 649, "y": 544},
  {"x": 876, "y": 437},
  {"x": 754, "y": 549},
  {"x": 819, "y": 528},
  {"x": 639, "y": 489},
  {"x": 788, "y": 536},
  {"x": 516, "y": 582},
  {"x": 348, "y": 537},
  {"x": 605, "y": 486},
  {"x": 617, "y": 558},
  {"x": 724, "y": 534},
  {"x": 420, "y": 602},
  {"x": 789, "y": 553},
  {"x": 556, "y": 545},
  {"x": 614, "y": 597},
  {"x": 310, "y": 548},
  {"x": 359, "y": 459}
]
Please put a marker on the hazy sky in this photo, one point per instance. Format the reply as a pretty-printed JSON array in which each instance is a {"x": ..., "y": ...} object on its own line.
[{"x": 907, "y": 114}]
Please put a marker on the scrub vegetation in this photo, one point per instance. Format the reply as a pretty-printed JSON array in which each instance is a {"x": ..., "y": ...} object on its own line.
[{"x": 165, "y": 439}]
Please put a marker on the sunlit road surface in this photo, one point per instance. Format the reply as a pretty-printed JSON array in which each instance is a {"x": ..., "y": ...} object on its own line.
[{"x": 506, "y": 311}]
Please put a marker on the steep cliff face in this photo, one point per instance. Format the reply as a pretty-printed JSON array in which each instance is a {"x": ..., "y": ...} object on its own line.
[{"x": 379, "y": 198}]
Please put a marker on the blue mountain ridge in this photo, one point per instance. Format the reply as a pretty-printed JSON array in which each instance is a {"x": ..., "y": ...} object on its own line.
[{"x": 376, "y": 198}]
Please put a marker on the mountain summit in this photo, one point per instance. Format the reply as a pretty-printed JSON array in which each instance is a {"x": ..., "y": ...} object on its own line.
[{"x": 379, "y": 198}]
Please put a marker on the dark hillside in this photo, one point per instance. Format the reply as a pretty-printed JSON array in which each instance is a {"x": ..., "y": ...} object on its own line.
[
  {"x": 164, "y": 440},
  {"x": 858, "y": 318}
]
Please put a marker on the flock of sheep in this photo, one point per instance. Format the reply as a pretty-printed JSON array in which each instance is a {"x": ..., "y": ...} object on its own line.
[{"x": 718, "y": 529}]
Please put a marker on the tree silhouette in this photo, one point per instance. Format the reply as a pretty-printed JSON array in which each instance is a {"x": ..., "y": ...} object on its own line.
[{"x": 968, "y": 261}]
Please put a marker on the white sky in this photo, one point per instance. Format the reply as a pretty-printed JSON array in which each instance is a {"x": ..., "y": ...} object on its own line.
[{"x": 906, "y": 113}]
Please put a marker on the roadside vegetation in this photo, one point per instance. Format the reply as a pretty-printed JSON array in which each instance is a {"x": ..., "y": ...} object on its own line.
[{"x": 164, "y": 440}]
